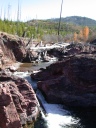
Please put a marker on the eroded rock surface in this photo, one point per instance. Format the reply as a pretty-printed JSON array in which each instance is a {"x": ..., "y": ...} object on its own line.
[
  {"x": 18, "y": 102},
  {"x": 12, "y": 49},
  {"x": 71, "y": 82}
]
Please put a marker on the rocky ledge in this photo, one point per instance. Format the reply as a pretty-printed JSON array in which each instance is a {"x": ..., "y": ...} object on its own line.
[
  {"x": 71, "y": 82},
  {"x": 18, "y": 102},
  {"x": 12, "y": 49}
]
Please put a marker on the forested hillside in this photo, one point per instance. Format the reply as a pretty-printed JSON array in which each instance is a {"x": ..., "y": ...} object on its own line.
[
  {"x": 47, "y": 30},
  {"x": 37, "y": 28}
]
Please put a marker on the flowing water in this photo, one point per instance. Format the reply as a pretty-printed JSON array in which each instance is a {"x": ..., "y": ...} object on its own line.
[{"x": 57, "y": 115}]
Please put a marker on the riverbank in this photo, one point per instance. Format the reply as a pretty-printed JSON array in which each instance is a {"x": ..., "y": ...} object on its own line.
[
  {"x": 55, "y": 115},
  {"x": 59, "y": 116}
]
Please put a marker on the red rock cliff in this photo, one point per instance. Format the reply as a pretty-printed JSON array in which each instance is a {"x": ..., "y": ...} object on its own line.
[
  {"x": 12, "y": 49},
  {"x": 18, "y": 102}
]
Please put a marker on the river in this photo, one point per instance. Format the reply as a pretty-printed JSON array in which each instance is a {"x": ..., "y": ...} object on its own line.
[{"x": 57, "y": 115}]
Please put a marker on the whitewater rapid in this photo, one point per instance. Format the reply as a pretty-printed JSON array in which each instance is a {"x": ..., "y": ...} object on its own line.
[{"x": 56, "y": 116}]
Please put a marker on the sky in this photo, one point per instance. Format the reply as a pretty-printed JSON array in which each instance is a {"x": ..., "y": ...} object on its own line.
[{"x": 46, "y": 9}]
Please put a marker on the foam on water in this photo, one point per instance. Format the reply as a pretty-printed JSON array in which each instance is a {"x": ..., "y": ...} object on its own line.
[{"x": 57, "y": 116}]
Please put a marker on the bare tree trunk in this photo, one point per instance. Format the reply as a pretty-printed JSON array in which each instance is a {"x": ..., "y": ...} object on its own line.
[
  {"x": 1, "y": 13},
  {"x": 18, "y": 17},
  {"x": 60, "y": 20}
]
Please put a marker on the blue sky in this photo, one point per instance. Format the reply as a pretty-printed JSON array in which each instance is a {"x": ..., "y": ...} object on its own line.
[{"x": 45, "y": 9}]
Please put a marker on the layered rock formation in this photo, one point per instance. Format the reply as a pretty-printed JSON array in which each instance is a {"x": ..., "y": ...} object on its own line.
[
  {"x": 71, "y": 82},
  {"x": 12, "y": 49},
  {"x": 18, "y": 102}
]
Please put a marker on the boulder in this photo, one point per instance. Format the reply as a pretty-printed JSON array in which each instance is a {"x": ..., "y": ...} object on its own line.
[{"x": 71, "y": 82}]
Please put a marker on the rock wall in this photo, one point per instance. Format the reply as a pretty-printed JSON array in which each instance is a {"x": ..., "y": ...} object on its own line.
[
  {"x": 71, "y": 82},
  {"x": 9, "y": 117},
  {"x": 12, "y": 49},
  {"x": 18, "y": 102}
]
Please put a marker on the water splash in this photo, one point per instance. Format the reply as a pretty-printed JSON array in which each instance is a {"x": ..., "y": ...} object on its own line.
[{"x": 56, "y": 116}]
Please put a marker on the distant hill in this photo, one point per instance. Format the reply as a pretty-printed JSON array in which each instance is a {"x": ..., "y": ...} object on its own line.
[
  {"x": 51, "y": 27},
  {"x": 82, "y": 21},
  {"x": 48, "y": 29}
]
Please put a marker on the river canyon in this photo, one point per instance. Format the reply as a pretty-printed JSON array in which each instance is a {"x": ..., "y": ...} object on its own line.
[{"x": 58, "y": 93}]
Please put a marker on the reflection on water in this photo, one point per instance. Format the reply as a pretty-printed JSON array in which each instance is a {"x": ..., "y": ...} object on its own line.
[{"x": 33, "y": 66}]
